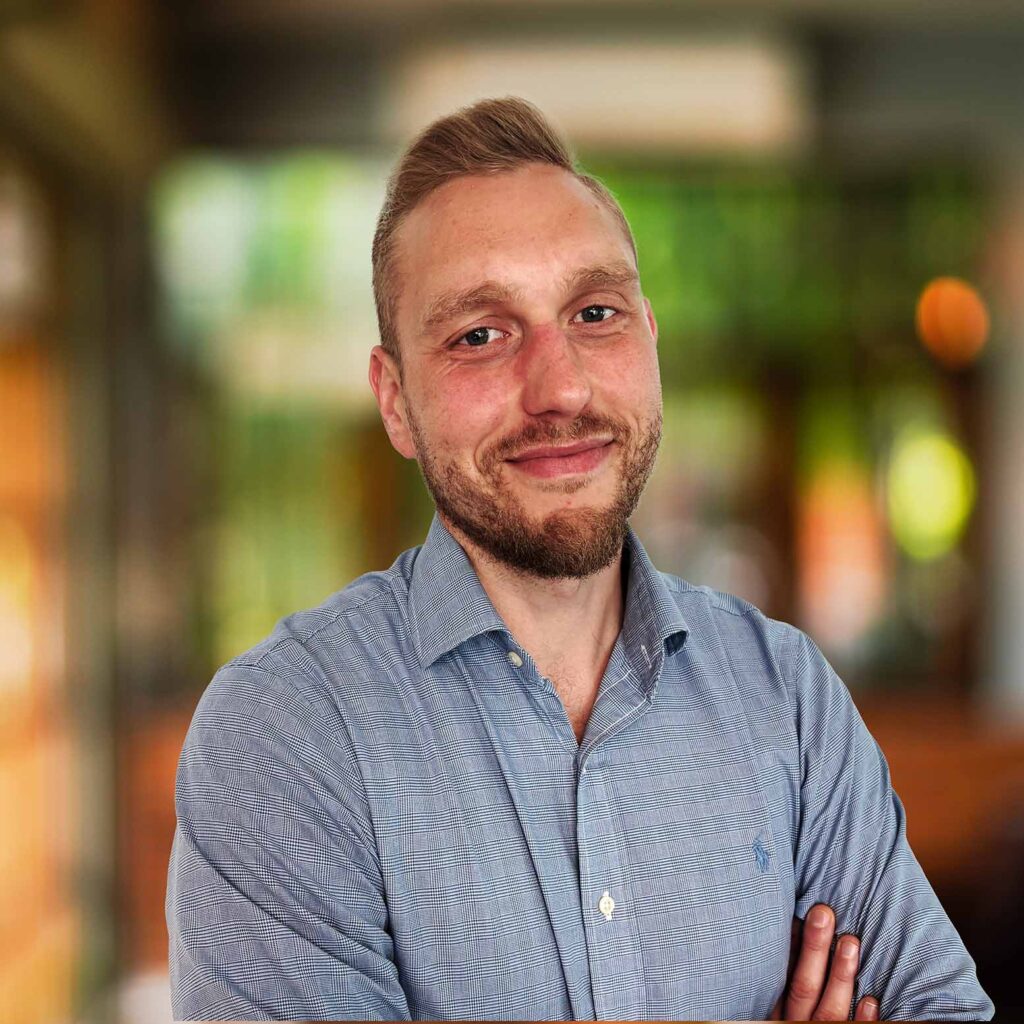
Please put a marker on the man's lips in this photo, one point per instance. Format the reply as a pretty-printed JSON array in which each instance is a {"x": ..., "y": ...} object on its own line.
[
  {"x": 557, "y": 460},
  {"x": 561, "y": 451}
]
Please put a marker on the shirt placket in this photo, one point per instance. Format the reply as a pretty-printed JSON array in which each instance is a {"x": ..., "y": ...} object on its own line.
[
  {"x": 535, "y": 747},
  {"x": 609, "y": 917}
]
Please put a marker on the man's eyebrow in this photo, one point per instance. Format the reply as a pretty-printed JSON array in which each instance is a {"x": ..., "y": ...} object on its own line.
[
  {"x": 606, "y": 275},
  {"x": 450, "y": 305}
]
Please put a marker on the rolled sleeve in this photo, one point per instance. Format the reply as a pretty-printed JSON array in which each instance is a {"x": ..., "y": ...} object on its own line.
[
  {"x": 852, "y": 853},
  {"x": 275, "y": 902}
]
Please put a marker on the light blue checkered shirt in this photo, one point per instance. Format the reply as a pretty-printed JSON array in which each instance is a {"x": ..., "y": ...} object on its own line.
[{"x": 383, "y": 812}]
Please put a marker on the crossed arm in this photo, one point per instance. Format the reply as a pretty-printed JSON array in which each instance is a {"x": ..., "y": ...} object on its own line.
[{"x": 852, "y": 854}]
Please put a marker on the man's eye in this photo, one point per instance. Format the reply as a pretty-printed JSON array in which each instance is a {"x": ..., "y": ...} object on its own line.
[
  {"x": 595, "y": 314},
  {"x": 479, "y": 336}
]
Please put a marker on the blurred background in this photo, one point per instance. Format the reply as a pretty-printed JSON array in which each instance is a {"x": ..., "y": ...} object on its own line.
[{"x": 829, "y": 205}]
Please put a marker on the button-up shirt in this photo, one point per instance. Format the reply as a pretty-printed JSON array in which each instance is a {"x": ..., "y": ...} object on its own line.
[{"x": 383, "y": 813}]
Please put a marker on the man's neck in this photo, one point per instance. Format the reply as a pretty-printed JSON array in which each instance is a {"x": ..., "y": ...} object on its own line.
[{"x": 558, "y": 621}]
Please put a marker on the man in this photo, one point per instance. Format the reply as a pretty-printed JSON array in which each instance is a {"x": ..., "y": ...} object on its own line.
[{"x": 523, "y": 774}]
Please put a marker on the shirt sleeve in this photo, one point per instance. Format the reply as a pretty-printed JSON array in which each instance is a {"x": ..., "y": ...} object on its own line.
[
  {"x": 852, "y": 853},
  {"x": 275, "y": 898}
]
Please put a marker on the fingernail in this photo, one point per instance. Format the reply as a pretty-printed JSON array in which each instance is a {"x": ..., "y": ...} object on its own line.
[
  {"x": 818, "y": 917},
  {"x": 848, "y": 949}
]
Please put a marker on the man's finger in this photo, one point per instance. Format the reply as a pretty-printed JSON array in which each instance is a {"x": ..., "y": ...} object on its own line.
[
  {"x": 812, "y": 964},
  {"x": 867, "y": 1009},
  {"x": 835, "y": 1000}
]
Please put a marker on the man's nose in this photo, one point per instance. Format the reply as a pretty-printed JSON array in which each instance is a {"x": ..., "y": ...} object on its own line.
[{"x": 553, "y": 374}]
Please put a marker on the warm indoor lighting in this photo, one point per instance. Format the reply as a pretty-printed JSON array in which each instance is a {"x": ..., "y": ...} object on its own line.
[{"x": 720, "y": 94}]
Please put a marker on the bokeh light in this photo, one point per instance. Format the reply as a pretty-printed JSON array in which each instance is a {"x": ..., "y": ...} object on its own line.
[
  {"x": 842, "y": 576},
  {"x": 952, "y": 321},
  {"x": 931, "y": 492},
  {"x": 17, "y": 576}
]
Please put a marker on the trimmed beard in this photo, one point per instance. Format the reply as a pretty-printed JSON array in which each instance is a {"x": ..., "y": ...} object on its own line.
[{"x": 569, "y": 544}]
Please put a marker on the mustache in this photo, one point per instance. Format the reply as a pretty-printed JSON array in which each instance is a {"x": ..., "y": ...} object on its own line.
[{"x": 586, "y": 425}]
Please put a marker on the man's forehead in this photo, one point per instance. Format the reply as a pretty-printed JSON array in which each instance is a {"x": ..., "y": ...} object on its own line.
[
  {"x": 496, "y": 231},
  {"x": 474, "y": 207}
]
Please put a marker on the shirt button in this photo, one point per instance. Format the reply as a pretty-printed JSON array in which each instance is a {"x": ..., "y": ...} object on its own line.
[
  {"x": 515, "y": 659},
  {"x": 606, "y": 905}
]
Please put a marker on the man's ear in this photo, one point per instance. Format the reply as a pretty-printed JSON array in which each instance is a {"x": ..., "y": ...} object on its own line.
[
  {"x": 651, "y": 322},
  {"x": 386, "y": 381}
]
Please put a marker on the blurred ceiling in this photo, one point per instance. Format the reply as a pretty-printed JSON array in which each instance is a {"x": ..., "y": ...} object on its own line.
[
  {"x": 304, "y": 16},
  {"x": 268, "y": 73}
]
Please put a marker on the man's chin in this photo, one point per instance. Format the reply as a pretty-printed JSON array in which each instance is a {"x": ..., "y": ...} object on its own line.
[
  {"x": 541, "y": 494},
  {"x": 565, "y": 543}
]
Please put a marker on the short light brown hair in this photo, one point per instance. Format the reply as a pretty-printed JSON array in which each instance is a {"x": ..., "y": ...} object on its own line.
[{"x": 489, "y": 136}]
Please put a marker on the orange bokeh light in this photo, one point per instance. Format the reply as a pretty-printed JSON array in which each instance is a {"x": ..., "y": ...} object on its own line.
[{"x": 952, "y": 321}]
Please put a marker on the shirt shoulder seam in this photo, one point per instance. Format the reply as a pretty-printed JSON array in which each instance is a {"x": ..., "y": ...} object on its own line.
[
  {"x": 680, "y": 586},
  {"x": 302, "y": 640}
]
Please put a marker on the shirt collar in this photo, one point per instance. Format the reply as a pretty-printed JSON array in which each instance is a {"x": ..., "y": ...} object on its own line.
[{"x": 448, "y": 605}]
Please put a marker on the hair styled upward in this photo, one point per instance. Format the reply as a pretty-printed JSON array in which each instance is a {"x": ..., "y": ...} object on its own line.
[{"x": 487, "y": 137}]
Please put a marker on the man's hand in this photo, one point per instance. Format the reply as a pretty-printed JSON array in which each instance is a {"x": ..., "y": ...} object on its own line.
[{"x": 808, "y": 996}]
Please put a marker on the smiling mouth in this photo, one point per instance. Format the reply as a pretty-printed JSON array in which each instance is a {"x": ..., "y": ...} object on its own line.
[
  {"x": 552, "y": 460},
  {"x": 561, "y": 451}
]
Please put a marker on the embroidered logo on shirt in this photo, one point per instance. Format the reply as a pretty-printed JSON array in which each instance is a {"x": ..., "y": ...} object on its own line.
[{"x": 760, "y": 855}]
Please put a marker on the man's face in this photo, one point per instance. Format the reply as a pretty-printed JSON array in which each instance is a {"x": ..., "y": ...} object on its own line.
[{"x": 529, "y": 389}]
